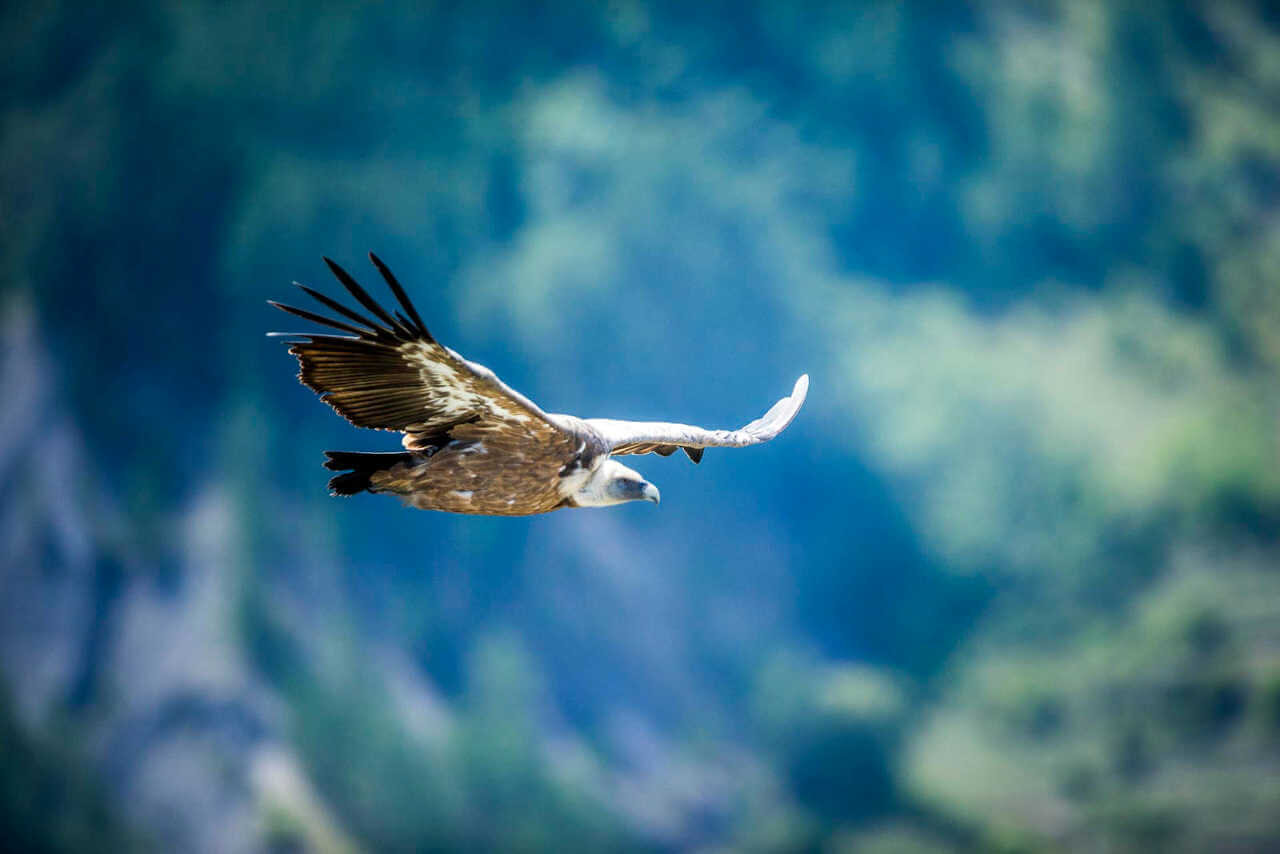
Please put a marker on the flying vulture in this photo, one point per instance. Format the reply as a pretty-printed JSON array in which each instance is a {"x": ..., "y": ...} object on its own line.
[{"x": 471, "y": 443}]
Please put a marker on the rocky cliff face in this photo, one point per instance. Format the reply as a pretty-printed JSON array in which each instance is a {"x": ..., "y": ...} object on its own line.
[{"x": 137, "y": 665}]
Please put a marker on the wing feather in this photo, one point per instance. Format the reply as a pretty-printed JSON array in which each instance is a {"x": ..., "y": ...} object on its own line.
[
  {"x": 645, "y": 437},
  {"x": 362, "y": 296},
  {"x": 334, "y": 305},
  {"x": 391, "y": 374},
  {"x": 315, "y": 318},
  {"x": 401, "y": 297}
]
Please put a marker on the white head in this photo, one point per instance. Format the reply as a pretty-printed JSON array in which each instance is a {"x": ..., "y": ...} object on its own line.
[{"x": 614, "y": 483}]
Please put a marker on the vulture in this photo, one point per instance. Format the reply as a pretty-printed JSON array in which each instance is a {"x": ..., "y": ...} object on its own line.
[{"x": 473, "y": 444}]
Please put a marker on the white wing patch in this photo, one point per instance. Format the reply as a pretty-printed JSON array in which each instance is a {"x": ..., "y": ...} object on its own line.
[
  {"x": 504, "y": 413},
  {"x": 493, "y": 406},
  {"x": 464, "y": 494},
  {"x": 456, "y": 398},
  {"x": 642, "y": 436}
]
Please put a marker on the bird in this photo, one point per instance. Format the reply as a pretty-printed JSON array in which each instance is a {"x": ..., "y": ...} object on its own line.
[{"x": 471, "y": 443}]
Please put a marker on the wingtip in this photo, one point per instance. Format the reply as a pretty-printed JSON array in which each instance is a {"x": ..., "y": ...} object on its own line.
[
  {"x": 333, "y": 266},
  {"x": 801, "y": 388}
]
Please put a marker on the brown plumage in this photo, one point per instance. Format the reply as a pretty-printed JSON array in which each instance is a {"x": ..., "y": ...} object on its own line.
[{"x": 472, "y": 443}]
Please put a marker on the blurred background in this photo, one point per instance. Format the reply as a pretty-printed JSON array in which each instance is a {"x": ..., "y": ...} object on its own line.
[{"x": 1011, "y": 582}]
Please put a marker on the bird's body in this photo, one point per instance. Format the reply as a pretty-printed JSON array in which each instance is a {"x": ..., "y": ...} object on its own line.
[
  {"x": 461, "y": 476},
  {"x": 472, "y": 444}
]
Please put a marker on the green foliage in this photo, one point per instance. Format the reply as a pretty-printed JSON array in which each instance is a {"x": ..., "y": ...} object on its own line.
[
  {"x": 51, "y": 801},
  {"x": 480, "y": 783}
]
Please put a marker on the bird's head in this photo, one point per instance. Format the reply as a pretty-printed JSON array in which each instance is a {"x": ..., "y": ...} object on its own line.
[{"x": 614, "y": 483}]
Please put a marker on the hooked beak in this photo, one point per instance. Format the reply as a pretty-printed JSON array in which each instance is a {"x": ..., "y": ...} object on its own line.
[{"x": 651, "y": 493}]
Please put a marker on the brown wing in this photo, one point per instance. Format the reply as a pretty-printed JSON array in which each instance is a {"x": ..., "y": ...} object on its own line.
[{"x": 391, "y": 374}]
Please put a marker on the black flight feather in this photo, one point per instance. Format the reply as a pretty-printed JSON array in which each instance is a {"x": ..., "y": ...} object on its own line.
[
  {"x": 365, "y": 300},
  {"x": 318, "y": 318},
  {"x": 401, "y": 296},
  {"x": 342, "y": 309}
]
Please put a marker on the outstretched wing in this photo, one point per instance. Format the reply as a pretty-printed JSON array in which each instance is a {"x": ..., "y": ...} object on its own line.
[
  {"x": 658, "y": 437},
  {"x": 391, "y": 374}
]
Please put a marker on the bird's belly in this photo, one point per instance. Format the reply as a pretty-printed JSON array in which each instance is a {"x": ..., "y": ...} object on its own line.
[{"x": 509, "y": 490}]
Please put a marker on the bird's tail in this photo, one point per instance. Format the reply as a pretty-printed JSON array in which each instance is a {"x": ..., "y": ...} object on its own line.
[{"x": 358, "y": 467}]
